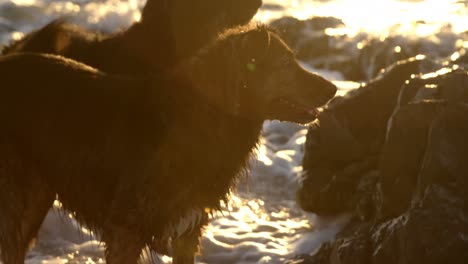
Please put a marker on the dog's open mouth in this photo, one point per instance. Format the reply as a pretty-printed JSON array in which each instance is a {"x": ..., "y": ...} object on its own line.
[{"x": 285, "y": 110}]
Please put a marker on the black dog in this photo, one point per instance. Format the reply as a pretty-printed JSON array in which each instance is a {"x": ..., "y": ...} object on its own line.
[
  {"x": 169, "y": 31},
  {"x": 140, "y": 161}
]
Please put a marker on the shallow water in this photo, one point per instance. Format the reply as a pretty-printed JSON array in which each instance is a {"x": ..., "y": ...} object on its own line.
[{"x": 261, "y": 223}]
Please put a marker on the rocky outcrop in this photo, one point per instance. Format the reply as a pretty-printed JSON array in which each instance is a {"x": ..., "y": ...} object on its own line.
[
  {"x": 343, "y": 147},
  {"x": 308, "y": 37},
  {"x": 323, "y": 42},
  {"x": 435, "y": 227},
  {"x": 405, "y": 177},
  {"x": 393, "y": 151},
  {"x": 409, "y": 127}
]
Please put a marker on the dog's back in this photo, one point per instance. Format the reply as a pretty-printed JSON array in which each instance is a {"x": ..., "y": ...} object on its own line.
[
  {"x": 169, "y": 32},
  {"x": 56, "y": 105},
  {"x": 60, "y": 120}
]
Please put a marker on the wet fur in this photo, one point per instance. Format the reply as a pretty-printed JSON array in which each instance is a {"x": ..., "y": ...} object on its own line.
[
  {"x": 134, "y": 157},
  {"x": 169, "y": 32}
]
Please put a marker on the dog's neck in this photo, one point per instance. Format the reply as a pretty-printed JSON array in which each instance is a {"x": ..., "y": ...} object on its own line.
[
  {"x": 216, "y": 75},
  {"x": 224, "y": 140}
]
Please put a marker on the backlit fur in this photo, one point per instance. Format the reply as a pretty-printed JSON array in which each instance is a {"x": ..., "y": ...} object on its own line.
[{"x": 139, "y": 161}]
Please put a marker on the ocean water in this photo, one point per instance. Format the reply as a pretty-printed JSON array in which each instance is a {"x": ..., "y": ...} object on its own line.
[{"x": 261, "y": 223}]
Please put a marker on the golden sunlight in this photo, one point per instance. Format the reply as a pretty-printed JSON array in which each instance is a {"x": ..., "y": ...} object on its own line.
[
  {"x": 262, "y": 154},
  {"x": 384, "y": 17}
]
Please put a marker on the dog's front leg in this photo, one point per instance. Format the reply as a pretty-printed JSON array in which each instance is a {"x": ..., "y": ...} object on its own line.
[
  {"x": 122, "y": 245},
  {"x": 186, "y": 246}
]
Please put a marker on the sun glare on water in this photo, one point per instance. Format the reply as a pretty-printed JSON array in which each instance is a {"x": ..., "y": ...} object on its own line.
[
  {"x": 382, "y": 17},
  {"x": 262, "y": 222}
]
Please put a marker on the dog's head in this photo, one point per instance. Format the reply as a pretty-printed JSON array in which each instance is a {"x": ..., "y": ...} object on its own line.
[{"x": 264, "y": 80}]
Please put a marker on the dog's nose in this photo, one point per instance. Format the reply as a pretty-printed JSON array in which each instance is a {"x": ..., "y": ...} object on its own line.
[
  {"x": 328, "y": 91},
  {"x": 332, "y": 89},
  {"x": 328, "y": 88}
]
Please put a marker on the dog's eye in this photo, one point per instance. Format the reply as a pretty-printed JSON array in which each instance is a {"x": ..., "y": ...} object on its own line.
[{"x": 251, "y": 66}]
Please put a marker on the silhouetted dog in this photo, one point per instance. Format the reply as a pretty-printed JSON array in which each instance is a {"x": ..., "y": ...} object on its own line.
[
  {"x": 140, "y": 161},
  {"x": 169, "y": 31}
]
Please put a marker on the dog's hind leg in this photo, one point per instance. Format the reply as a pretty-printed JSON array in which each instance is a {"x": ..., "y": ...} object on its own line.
[{"x": 24, "y": 202}]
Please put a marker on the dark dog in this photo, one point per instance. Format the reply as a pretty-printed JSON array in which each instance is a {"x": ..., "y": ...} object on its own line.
[
  {"x": 139, "y": 165},
  {"x": 169, "y": 31}
]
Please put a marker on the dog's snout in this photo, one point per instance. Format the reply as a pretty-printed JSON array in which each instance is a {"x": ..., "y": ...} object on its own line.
[
  {"x": 331, "y": 91},
  {"x": 325, "y": 86},
  {"x": 328, "y": 89},
  {"x": 322, "y": 90}
]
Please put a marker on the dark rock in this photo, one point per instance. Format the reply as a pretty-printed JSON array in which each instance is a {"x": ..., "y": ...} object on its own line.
[
  {"x": 403, "y": 154},
  {"x": 21, "y": 14},
  {"x": 272, "y": 7},
  {"x": 444, "y": 163},
  {"x": 321, "y": 256},
  {"x": 375, "y": 54},
  {"x": 343, "y": 145},
  {"x": 307, "y": 37},
  {"x": 322, "y": 23},
  {"x": 352, "y": 249},
  {"x": 431, "y": 234},
  {"x": 435, "y": 228},
  {"x": 289, "y": 28},
  {"x": 361, "y": 57},
  {"x": 446, "y": 84},
  {"x": 419, "y": 186},
  {"x": 370, "y": 55}
]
